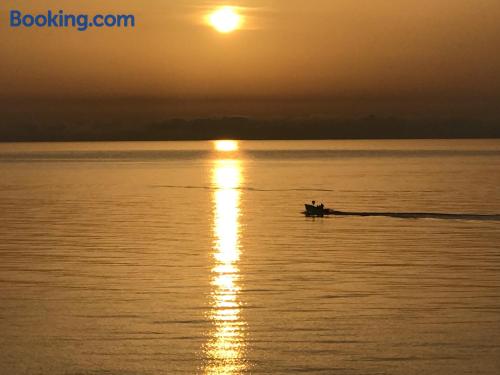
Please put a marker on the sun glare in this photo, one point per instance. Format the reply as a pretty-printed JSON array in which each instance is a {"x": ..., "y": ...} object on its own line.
[
  {"x": 226, "y": 146},
  {"x": 225, "y": 19},
  {"x": 226, "y": 347}
]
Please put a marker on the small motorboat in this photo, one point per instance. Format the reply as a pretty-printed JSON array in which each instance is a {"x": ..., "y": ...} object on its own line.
[{"x": 317, "y": 211}]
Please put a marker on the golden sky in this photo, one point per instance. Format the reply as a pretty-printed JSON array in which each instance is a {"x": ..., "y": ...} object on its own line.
[{"x": 288, "y": 50}]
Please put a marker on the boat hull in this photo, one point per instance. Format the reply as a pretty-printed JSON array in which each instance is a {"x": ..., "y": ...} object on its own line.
[{"x": 315, "y": 211}]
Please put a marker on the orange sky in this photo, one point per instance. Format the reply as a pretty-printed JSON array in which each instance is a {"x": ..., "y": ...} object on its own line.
[{"x": 289, "y": 51}]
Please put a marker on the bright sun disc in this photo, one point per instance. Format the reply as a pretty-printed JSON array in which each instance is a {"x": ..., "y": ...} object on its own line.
[
  {"x": 225, "y": 20},
  {"x": 226, "y": 146}
]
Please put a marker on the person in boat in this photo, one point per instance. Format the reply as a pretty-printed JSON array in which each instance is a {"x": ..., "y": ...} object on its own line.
[{"x": 320, "y": 206}]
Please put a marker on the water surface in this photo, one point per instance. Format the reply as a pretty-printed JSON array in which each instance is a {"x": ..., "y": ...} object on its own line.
[{"x": 178, "y": 258}]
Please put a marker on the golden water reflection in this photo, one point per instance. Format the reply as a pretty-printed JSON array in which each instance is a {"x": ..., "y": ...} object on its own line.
[{"x": 225, "y": 350}]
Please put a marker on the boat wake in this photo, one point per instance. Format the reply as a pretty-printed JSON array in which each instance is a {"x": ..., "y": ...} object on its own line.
[
  {"x": 421, "y": 215},
  {"x": 329, "y": 212}
]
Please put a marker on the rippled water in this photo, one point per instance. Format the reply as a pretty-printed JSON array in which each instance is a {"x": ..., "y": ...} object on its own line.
[{"x": 172, "y": 258}]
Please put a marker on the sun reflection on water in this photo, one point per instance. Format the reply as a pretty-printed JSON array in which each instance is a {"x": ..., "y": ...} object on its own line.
[
  {"x": 226, "y": 145},
  {"x": 225, "y": 350}
]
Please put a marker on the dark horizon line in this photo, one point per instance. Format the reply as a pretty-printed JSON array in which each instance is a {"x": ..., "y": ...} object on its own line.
[
  {"x": 244, "y": 128},
  {"x": 79, "y": 140}
]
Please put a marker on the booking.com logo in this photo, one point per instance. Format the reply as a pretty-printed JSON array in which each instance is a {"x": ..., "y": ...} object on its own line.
[{"x": 81, "y": 22}]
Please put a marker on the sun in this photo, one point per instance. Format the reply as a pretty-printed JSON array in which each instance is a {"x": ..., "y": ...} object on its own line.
[{"x": 225, "y": 19}]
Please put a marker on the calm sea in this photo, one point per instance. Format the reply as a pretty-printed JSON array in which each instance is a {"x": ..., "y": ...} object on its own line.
[{"x": 195, "y": 258}]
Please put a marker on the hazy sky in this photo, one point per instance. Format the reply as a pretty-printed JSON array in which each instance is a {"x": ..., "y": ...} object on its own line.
[{"x": 314, "y": 55}]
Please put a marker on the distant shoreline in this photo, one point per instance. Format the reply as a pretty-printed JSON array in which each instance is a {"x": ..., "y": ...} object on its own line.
[
  {"x": 245, "y": 128},
  {"x": 241, "y": 139}
]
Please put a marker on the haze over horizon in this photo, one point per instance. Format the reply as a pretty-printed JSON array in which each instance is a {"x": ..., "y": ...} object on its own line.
[{"x": 291, "y": 58}]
